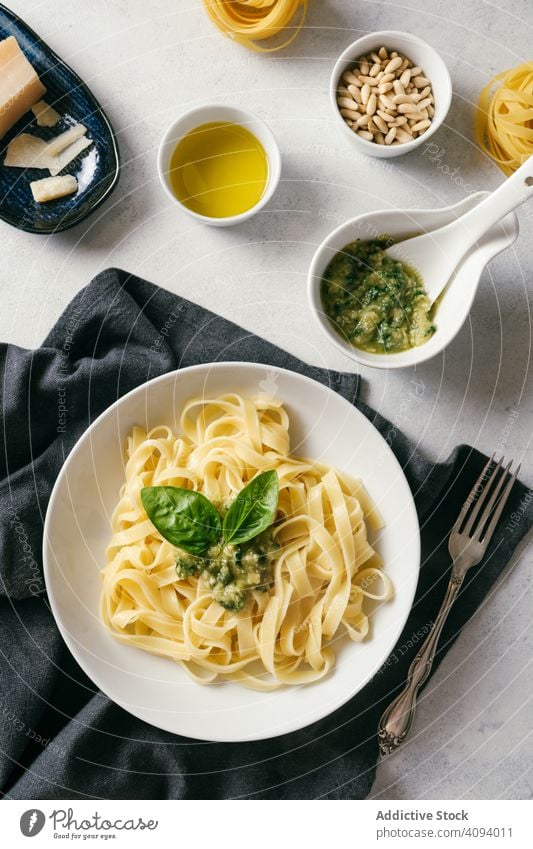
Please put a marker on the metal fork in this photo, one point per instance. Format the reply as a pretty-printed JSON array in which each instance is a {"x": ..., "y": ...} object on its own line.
[{"x": 467, "y": 545}]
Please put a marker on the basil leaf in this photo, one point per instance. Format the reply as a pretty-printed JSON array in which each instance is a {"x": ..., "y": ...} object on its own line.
[
  {"x": 253, "y": 510},
  {"x": 183, "y": 517}
]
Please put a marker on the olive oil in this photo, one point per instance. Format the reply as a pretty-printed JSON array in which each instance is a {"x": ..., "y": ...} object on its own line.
[{"x": 219, "y": 170}]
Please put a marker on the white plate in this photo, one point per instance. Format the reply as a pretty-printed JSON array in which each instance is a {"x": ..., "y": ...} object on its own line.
[{"x": 323, "y": 426}]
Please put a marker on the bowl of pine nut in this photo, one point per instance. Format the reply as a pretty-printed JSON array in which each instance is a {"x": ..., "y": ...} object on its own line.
[{"x": 390, "y": 92}]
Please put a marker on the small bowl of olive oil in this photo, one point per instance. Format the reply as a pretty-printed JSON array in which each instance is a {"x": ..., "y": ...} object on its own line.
[{"x": 219, "y": 163}]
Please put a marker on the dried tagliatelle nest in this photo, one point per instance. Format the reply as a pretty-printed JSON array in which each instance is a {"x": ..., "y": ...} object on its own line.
[
  {"x": 504, "y": 119},
  {"x": 252, "y": 21}
]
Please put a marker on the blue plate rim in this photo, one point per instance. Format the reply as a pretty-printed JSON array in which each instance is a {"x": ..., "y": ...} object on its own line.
[{"x": 71, "y": 222}]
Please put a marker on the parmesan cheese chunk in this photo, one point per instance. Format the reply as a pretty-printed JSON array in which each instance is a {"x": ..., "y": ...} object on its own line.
[
  {"x": 20, "y": 87},
  {"x": 52, "y": 188},
  {"x": 66, "y": 156},
  {"x": 27, "y": 151},
  {"x": 59, "y": 143},
  {"x": 45, "y": 114}
]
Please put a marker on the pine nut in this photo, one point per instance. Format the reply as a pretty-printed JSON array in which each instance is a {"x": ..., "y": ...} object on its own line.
[
  {"x": 387, "y": 78},
  {"x": 342, "y": 91},
  {"x": 405, "y": 77},
  {"x": 422, "y": 104},
  {"x": 398, "y": 87},
  {"x": 402, "y": 98},
  {"x": 399, "y": 122},
  {"x": 403, "y": 136},
  {"x": 375, "y": 69},
  {"x": 386, "y": 117},
  {"x": 425, "y": 91},
  {"x": 379, "y": 138},
  {"x": 381, "y": 124},
  {"x": 383, "y": 53},
  {"x": 416, "y": 71},
  {"x": 365, "y": 67},
  {"x": 394, "y": 54},
  {"x": 391, "y": 135},
  {"x": 348, "y": 113},
  {"x": 351, "y": 79},
  {"x": 386, "y": 102},
  {"x": 421, "y": 82},
  {"x": 384, "y": 88},
  {"x": 365, "y": 135},
  {"x": 354, "y": 92},
  {"x": 347, "y": 103},
  {"x": 372, "y": 104},
  {"x": 422, "y": 125},
  {"x": 365, "y": 94},
  {"x": 369, "y": 80},
  {"x": 406, "y": 108},
  {"x": 394, "y": 63},
  {"x": 431, "y": 112}
]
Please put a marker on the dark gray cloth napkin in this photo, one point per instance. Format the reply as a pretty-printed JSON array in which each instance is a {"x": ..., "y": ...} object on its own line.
[{"x": 59, "y": 736}]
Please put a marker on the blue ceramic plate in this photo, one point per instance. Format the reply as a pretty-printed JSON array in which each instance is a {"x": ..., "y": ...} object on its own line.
[{"x": 96, "y": 168}]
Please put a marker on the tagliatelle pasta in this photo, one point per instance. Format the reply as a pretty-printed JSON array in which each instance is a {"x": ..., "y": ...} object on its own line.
[
  {"x": 250, "y": 21},
  {"x": 325, "y": 575},
  {"x": 504, "y": 119}
]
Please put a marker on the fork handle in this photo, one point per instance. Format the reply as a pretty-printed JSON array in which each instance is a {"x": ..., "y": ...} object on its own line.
[{"x": 397, "y": 719}]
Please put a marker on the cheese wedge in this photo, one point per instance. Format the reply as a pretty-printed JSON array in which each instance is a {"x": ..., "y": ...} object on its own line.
[
  {"x": 59, "y": 143},
  {"x": 52, "y": 188},
  {"x": 20, "y": 87},
  {"x": 27, "y": 151},
  {"x": 66, "y": 156},
  {"x": 45, "y": 114}
]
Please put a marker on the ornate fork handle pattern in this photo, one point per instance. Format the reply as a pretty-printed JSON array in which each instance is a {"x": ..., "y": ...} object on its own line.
[{"x": 396, "y": 721}]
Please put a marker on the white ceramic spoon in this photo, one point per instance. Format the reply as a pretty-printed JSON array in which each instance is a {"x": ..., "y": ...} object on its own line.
[{"x": 436, "y": 255}]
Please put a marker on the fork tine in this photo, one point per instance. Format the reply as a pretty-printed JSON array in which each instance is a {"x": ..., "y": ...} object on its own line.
[
  {"x": 499, "y": 509},
  {"x": 478, "y": 504},
  {"x": 470, "y": 499},
  {"x": 495, "y": 491}
]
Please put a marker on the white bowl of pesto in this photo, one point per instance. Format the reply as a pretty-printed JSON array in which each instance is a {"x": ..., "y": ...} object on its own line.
[
  {"x": 351, "y": 330},
  {"x": 323, "y": 426}
]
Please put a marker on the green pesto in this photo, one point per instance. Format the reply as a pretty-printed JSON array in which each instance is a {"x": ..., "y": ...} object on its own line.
[
  {"x": 232, "y": 571},
  {"x": 378, "y": 304}
]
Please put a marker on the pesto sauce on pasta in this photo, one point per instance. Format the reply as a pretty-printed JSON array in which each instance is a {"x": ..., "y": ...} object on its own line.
[{"x": 232, "y": 571}]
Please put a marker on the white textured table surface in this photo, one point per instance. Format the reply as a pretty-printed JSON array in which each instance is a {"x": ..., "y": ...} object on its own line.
[{"x": 146, "y": 62}]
